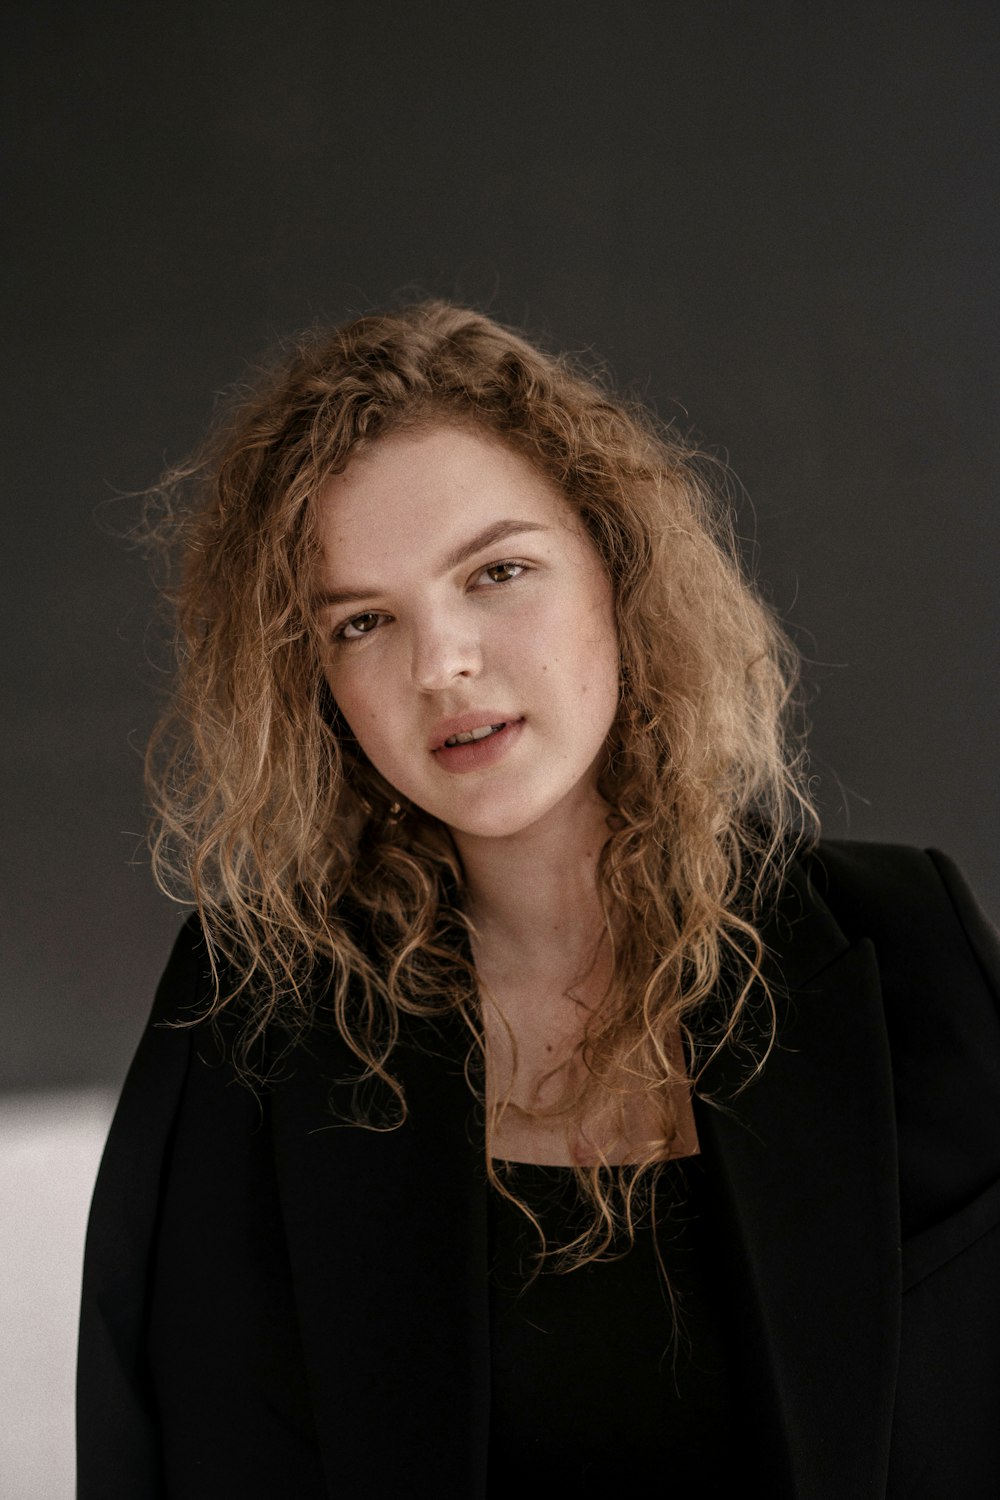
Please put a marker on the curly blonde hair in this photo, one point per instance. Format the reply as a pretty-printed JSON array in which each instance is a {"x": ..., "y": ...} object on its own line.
[{"x": 295, "y": 851}]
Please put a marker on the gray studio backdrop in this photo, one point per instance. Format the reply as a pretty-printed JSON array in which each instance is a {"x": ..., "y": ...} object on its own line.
[{"x": 777, "y": 222}]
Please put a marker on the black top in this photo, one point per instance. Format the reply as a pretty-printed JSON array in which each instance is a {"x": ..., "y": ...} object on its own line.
[{"x": 602, "y": 1376}]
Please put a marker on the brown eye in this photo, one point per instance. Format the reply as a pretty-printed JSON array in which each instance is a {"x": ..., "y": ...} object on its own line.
[
  {"x": 503, "y": 572},
  {"x": 358, "y": 626}
]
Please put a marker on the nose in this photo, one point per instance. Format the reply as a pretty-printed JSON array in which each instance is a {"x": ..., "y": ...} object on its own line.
[{"x": 444, "y": 649}]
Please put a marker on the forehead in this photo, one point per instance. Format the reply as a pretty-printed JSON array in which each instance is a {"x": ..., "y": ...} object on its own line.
[{"x": 415, "y": 492}]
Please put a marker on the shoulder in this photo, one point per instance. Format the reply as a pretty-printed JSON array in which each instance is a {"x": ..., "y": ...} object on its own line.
[
  {"x": 184, "y": 1269},
  {"x": 885, "y": 891},
  {"x": 184, "y": 990},
  {"x": 154, "y": 1081},
  {"x": 938, "y": 960},
  {"x": 938, "y": 955},
  {"x": 122, "y": 1229},
  {"x": 179, "y": 1072},
  {"x": 128, "y": 1184}
]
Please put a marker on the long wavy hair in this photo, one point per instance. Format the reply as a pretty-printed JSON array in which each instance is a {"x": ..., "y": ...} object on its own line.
[{"x": 300, "y": 858}]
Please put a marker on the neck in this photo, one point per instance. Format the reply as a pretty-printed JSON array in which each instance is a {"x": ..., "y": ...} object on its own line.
[{"x": 535, "y": 893}]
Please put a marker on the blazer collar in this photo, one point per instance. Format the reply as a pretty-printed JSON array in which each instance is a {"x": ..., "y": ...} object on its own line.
[{"x": 387, "y": 1236}]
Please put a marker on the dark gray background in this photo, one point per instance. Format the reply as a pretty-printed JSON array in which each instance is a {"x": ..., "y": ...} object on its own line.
[{"x": 776, "y": 221}]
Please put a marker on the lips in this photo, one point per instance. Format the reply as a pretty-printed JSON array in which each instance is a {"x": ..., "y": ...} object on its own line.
[
  {"x": 479, "y": 723},
  {"x": 474, "y": 743},
  {"x": 474, "y": 735}
]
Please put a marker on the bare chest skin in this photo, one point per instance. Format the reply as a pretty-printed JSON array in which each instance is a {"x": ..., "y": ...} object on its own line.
[{"x": 534, "y": 1034}]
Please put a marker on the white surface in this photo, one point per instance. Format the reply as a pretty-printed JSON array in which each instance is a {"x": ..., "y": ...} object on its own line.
[{"x": 50, "y": 1147}]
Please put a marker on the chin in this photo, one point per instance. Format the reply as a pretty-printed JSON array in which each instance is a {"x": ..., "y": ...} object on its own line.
[
  {"x": 501, "y": 820},
  {"x": 494, "y": 830},
  {"x": 487, "y": 825}
]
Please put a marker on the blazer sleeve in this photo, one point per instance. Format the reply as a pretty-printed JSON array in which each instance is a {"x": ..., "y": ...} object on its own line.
[
  {"x": 191, "y": 1381},
  {"x": 946, "y": 1438},
  {"x": 117, "y": 1443},
  {"x": 939, "y": 970}
]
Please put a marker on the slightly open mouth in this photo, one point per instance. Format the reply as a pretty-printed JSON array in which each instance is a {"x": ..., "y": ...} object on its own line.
[{"x": 473, "y": 734}]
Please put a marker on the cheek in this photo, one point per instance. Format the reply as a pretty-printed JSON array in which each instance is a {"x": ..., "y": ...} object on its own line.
[
  {"x": 571, "y": 670},
  {"x": 600, "y": 682},
  {"x": 591, "y": 643},
  {"x": 358, "y": 703}
]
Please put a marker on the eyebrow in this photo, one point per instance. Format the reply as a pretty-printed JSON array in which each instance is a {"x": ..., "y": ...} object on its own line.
[{"x": 497, "y": 531}]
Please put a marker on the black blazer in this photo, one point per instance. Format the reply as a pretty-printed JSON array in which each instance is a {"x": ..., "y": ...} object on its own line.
[{"x": 274, "y": 1305}]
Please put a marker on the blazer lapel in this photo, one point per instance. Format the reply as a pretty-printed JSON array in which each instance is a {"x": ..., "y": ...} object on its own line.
[
  {"x": 387, "y": 1238},
  {"x": 805, "y": 1162}
]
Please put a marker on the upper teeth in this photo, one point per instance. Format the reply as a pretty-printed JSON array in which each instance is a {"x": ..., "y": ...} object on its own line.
[{"x": 473, "y": 734}]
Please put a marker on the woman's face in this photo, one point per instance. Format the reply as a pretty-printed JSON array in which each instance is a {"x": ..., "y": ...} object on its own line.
[{"x": 460, "y": 595}]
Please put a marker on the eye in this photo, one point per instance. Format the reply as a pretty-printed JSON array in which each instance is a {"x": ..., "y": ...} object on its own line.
[
  {"x": 358, "y": 626},
  {"x": 502, "y": 572}
]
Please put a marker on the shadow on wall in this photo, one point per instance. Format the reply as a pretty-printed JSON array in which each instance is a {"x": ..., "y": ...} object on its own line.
[{"x": 50, "y": 1147}]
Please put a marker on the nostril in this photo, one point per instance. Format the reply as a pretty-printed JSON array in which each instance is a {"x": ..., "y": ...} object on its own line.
[{"x": 436, "y": 668}]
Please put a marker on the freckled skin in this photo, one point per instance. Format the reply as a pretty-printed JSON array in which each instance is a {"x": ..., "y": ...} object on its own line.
[{"x": 535, "y": 641}]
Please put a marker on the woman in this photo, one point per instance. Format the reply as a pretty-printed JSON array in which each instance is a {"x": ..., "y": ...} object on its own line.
[{"x": 531, "y": 1100}]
